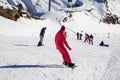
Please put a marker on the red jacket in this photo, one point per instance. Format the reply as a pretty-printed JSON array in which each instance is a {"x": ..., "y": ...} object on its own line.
[{"x": 60, "y": 40}]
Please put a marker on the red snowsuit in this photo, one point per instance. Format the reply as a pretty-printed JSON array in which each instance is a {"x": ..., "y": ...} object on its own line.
[{"x": 60, "y": 41}]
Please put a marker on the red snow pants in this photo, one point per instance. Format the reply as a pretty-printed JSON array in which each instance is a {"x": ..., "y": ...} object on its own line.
[{"x": 65, "y": 55}]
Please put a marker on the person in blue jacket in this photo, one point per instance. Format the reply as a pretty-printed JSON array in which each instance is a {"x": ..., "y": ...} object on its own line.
[
  {"x": 103, "y": 44},
  {"x": 42, "y": 32}
]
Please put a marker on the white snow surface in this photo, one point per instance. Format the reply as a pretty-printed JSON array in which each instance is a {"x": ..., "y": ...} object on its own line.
[{"x": 21, "y": 59}]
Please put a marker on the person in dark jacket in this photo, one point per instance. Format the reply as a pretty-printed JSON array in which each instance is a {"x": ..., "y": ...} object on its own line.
[
  {"x": 91, "y": 39},
  {"x": 42, "y": 32},
  {"x": 60, "y": 41},
  {"x": 81, "y": 35},
  {"x": 102, "y": 44},
  {"x": 78, "y": 35}
]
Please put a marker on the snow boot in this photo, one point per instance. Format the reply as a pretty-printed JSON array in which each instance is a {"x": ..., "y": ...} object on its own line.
[
  {"x": 71, "y": 64},
  {"x": 39, "y": 44}
]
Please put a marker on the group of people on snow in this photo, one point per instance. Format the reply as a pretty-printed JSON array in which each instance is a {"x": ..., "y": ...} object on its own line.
[
  {"x": 88, "y": 38},
  {"x": 62, "y": 44},
  {"x": 79, "y": 35}
]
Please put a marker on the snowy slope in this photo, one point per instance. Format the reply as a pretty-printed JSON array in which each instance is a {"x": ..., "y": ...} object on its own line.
[{"x": 21, "y": 59}]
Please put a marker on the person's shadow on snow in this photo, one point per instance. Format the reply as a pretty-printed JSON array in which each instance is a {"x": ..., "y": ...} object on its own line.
[
  {"x": 24, "y": 45},
  {"x": 35, "y": 66}
]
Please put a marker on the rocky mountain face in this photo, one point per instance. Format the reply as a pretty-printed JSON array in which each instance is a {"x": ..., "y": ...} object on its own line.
[{"x": 14, "y": 9}]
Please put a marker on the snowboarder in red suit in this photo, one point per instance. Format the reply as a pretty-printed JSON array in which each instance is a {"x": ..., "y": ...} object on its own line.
[{"x": 60, "y": 41}]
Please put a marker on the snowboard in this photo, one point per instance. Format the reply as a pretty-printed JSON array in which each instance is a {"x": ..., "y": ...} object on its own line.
[
  {"x": 70, "y": 67},
  {"x": 73, "y": 67},
  {"x": 40, "y": 45}
]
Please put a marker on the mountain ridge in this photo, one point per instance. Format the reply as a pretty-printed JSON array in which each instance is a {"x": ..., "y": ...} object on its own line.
[{"x": 104, "y": 9}]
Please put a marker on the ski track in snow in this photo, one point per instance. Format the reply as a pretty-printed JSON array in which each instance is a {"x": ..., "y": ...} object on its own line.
[{"x": 112, "y": 71}]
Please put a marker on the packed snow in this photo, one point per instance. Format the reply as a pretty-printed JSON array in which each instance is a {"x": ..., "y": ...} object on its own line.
[{"x": 21, "y": 59}]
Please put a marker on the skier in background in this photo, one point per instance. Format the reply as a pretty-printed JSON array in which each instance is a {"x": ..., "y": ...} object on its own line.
[
  {"x": 108, "y": 35},
  {"x": 42, "y": 32},
  {"x": 78, "y": 35},
  {"x": 86, "y": 37},
  {"x": 91, "y": 39},
  {"x": 103, "y": 44},
  {"x": 81, "y": 35}
]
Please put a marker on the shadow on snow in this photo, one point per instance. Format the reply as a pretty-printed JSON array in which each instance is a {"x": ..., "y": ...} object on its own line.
[
  {"x": 24, "y": 45},
  {"x": 34, "y": 66}
]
